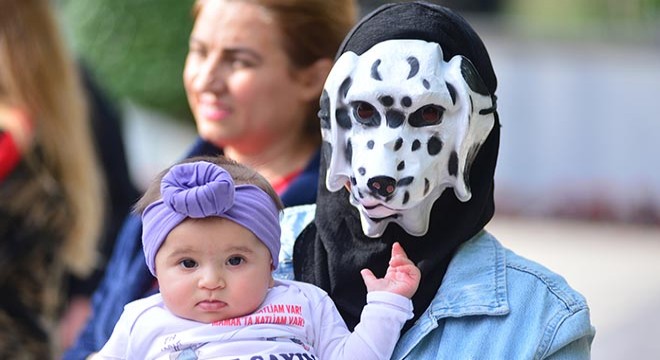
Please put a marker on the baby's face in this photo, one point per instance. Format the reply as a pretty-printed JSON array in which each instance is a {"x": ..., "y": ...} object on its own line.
[{"x": 213, "y": 269}]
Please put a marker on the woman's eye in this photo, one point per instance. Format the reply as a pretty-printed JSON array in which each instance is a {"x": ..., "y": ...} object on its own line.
[
  {"x": 235, "y": 260},
  {"x": 239, "y": 61},
  {"x": 188, "y": 263},
  {"x": 239, "y": 64},
  {"x": 196, "y": 50}
]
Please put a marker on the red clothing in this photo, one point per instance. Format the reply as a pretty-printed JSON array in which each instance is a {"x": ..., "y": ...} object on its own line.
[
  {"x": 284, "y": 182},
  {"x": 9, "y": 154}
]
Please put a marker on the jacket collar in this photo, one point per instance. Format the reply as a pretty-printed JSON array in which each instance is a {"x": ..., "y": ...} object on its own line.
[{"x": 474, "y": 284}]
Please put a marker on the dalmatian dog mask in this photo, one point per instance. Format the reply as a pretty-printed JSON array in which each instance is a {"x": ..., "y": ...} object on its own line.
[{"x": 403, "y": 125}]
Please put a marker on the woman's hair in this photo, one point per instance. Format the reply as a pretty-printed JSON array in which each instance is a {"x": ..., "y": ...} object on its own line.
[
  {"x": 38, "y": 75},
  {"x": 311, "y": 30},
  {"x": 241, "y": 174}
]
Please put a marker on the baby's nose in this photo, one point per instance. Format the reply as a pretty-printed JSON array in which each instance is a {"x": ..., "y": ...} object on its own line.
[{"x": 212, "y": 279}]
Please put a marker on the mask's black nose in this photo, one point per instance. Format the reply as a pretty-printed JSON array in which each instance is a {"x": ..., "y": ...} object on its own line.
[{"x": 382, "y": 185}]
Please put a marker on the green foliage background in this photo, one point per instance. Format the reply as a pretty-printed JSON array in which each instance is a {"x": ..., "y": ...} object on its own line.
[
  {"x": 622, "y": 21},
  {"x": 136, "y": 48}
]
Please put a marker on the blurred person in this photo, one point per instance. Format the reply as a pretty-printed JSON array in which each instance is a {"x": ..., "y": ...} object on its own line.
[
  {"x": 253, "y": 75},
  {"x": 120, "y": 195},
  {"x": 50, "y": 184},
  {"x": 211, "y": 236},
  {"x": 411, "y": 129}
]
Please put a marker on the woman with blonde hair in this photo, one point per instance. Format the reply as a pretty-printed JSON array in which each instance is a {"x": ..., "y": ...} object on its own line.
[
  {"x": 50, "y": 185},
  {"x": 253, "y": 77}
]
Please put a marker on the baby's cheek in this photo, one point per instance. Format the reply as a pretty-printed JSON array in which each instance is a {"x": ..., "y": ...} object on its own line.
[{"x": 176, "y": 295}]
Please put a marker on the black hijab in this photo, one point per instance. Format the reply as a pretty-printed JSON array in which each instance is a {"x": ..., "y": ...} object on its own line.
[{"x": 332, "y": 250}]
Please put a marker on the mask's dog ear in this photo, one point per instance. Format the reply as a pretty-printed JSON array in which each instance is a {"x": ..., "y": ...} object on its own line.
[
  {"x": 334, "y": 113},
  {"x": 476, "y": 107}
]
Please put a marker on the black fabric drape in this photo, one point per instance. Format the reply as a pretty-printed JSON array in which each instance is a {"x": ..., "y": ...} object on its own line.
[{"x": 332, "y": 250}]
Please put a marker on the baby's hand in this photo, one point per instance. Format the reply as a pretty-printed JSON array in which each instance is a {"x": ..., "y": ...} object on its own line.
[{"x": 402, "y": 275}]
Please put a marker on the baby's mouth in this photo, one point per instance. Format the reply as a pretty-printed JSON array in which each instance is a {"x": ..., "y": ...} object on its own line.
[{"x": 211, "y": 305}]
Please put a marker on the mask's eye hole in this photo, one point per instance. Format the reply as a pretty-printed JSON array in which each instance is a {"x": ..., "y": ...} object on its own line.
[
  {"x": 365, "y": 113},
  {"x": 364, "y": 110},
  {"x": 431, "y": 114},
  {"x": 427, "y": 115}
]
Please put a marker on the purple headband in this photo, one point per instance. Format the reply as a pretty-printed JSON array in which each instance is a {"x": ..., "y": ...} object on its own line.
[{"x": 202, "y": 189}]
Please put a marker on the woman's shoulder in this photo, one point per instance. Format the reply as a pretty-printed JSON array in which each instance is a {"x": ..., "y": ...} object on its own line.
[
  {"x": 511, "y": 294},
  {"x": 526, "y": 274},
  {"x": 561, "y": 313},
  {"x": 520, "y": 276}
]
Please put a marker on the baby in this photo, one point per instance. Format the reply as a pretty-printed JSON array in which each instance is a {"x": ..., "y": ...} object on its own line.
[{"x": 211, "y": 236}]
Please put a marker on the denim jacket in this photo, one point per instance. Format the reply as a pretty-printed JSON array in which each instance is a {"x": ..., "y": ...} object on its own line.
[{"x": 492, "y": 304}]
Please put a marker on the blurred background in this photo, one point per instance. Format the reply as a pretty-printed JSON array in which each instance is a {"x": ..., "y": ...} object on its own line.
[{"x": 578, "y": 177}]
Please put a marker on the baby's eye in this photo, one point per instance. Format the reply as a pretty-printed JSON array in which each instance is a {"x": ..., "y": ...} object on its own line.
[
  {"x": 235, "y": 260},
  {"x": 188, "y": 263}
]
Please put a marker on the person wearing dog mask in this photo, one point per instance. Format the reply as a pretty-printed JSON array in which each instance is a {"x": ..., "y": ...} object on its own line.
[{"x": 411, "y": 136}]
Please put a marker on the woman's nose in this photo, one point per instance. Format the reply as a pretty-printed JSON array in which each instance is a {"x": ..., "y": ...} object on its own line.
[{"x": 210, "y": 76}]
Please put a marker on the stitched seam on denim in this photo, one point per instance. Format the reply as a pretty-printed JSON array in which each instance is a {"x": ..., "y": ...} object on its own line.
[
  {"x": 569, "y": 301},
  {"x": 551, "y": 331},
  {"x": 500, "y": 276},
  {"x": 500, "y": 287}
]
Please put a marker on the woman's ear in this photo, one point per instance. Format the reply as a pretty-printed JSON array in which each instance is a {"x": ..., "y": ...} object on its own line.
[{"x": 312, "y": 78}]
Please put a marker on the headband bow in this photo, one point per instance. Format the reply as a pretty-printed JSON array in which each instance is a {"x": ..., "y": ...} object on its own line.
[{"x": 202, "y": 189}]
